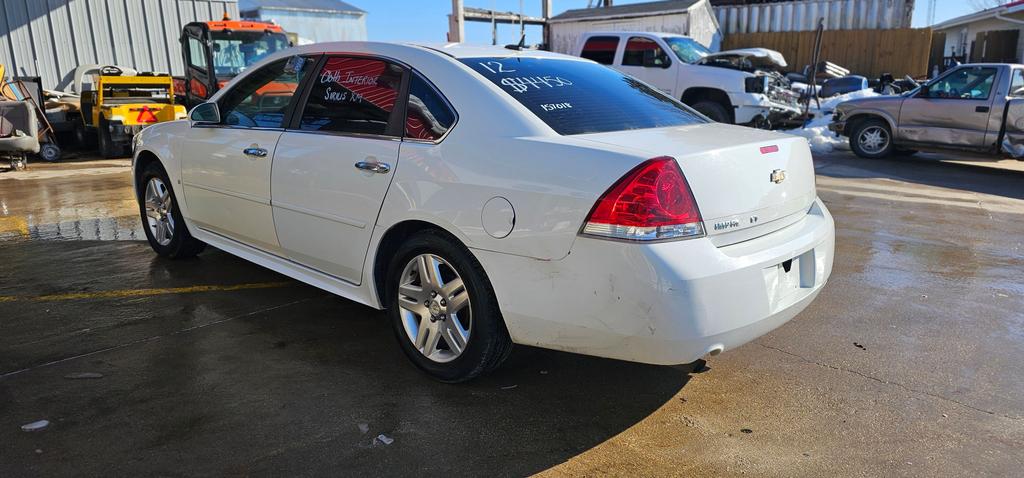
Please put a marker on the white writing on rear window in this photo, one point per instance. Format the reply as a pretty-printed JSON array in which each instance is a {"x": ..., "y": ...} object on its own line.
[
  {"x": 521, "y": 84},
  {"x": 555, "y": 106}
]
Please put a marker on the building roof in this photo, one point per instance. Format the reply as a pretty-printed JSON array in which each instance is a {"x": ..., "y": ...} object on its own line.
[
  {"x": 329, "y": 6},
  {"x": 1011, "y": 7},
  {"x": 630, "y": 10}
]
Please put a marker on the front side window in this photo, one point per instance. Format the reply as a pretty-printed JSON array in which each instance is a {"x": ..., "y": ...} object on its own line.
[
  {"x": 600, "y": 49},
  {"x": 196, "y": 54},
  {"x": 352, "y": 95},
  {"x": 687, "y": 49},
  {"x": 262, "y": 98},
  {"x": 427, "y": 115},
  {"x": 971, "y": 83},
  {"x": 577, "y": 97},
  {"x": 644, "y": 52}
]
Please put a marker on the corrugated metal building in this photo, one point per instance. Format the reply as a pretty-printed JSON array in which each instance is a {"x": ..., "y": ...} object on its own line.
[
  {"x": 758, "y": 16},
  {"x": 693, "y": 18},
  {"x": 50, "y": 38},
  {"x": 314, "y": 21}
]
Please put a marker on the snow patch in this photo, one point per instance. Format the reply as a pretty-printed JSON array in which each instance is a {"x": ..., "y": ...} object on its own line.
[{"x": 816, "y": 130}]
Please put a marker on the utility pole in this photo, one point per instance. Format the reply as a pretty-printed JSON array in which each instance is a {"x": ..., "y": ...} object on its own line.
[
  {"x": 546, "y": 13},
  {"x": 462, "y": 14},
  {"x": 456, "y": 22}
]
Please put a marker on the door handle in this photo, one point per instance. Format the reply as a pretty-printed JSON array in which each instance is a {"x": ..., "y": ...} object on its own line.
[
  {"x": 981, "y": 109},
  {"x": 255, "y": 152},
  {"x": 379, "y": 168}
]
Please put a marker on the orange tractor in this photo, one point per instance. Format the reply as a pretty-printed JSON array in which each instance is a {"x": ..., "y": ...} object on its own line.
[{"x": 215, "y": 52}]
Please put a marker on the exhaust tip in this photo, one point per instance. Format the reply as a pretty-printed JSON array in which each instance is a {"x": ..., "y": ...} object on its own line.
[{"x": 713, "y": 351}]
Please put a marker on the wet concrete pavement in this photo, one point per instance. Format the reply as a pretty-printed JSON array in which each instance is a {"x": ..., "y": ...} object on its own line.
[{"x": 907, "y": 364}]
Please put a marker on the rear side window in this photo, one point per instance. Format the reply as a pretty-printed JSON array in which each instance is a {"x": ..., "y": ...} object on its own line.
[
  {"x": 600, "y": 49},
  {"x": 428, "y": 116},
  {"x": 577, "y": 97},
  {"x": 352, "y": 95}
]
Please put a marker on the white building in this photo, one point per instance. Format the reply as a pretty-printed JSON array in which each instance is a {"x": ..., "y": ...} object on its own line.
[
  {"x": 693, "y": 18},
  {"x": 314, "y": 21},
  {"x": 992, "y": 35}
]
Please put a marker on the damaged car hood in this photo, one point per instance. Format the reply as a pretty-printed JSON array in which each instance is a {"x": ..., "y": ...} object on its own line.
[{"x": 758, "y": 57}]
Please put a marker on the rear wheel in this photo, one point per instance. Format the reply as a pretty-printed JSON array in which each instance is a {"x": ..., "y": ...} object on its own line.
[
  {"x": 714, "y": 110},
  {"x": 105, "y": 142},
  {"x": 443, "y": 309},
  {"x": 165, "y": 228},
  {"x": 49, "y": 152},
  {"x": 871, "y": 139},
  {"x": 84, "y": 137}
]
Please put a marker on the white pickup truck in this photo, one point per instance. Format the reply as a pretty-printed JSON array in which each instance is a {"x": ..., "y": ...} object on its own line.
[{"x": 737, "y": 86}]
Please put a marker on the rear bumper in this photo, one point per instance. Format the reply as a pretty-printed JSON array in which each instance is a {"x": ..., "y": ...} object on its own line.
[{"x": 666, "y": 303}]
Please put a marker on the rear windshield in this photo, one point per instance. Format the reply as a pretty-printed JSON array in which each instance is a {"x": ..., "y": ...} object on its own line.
[{"x": 577, "y": 97}]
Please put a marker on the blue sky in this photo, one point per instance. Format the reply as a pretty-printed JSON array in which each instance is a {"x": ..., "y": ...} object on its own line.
[{"x": 426, "y": 20}]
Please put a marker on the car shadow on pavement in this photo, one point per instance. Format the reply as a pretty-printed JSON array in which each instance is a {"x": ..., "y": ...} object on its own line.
[
  {"x": 926, "y": 170},
  {"x": 287, "y": 380}
]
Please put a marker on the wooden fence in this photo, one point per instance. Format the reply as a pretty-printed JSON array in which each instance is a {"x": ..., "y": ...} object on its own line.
[{"x": 864, "y": 52}]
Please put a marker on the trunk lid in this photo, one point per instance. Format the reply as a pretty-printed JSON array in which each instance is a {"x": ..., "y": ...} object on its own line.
[{"x": 747, "y": 182}]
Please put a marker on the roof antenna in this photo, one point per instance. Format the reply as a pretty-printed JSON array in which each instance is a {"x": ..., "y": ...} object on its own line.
[{"x": 522, "y": 43}]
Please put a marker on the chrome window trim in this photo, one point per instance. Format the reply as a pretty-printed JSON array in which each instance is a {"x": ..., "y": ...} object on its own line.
[
  {"x": 228, "y": 126},
  {"x": 382, "y": 137}
]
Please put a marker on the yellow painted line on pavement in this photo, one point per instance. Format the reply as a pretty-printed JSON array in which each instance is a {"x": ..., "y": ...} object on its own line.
[{"x": 130, "y": 293}]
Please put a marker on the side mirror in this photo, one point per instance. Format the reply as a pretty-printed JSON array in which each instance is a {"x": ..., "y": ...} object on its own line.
[
  {"x": 205, "y": 113},
  {"x": 925, "y": 92}
]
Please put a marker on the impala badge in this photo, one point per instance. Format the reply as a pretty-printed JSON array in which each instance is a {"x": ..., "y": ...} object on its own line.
[{"x": 778, "y": 176}]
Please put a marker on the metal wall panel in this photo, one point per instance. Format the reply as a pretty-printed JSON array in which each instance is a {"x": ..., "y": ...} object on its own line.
[
  {"x": 50, "y": 38},
  {"x": 803, "y": 15}
]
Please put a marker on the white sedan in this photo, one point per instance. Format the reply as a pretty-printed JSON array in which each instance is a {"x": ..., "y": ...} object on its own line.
[{"x": 489, "y": 196}]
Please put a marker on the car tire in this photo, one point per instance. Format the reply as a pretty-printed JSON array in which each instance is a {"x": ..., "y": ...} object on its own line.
[
  {"x": 49, "y": 152},
  {"x": 85, "y": 138},
  {"x": 106, "y": 144},
  {"x": 435, "y": 332},
  {"x": 871, "y": 139},
  {"x": 713, "y": 110},
  {"x": 161, "y": 218}
]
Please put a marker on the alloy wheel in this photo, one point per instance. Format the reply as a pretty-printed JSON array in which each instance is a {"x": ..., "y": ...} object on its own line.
[
  {"x": 435, "y": 308},
  {"x": 158, "y": 211},
  {"x": 874, "y": 139}
]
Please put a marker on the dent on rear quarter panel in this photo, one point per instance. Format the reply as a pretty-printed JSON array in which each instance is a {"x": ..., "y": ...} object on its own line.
[{"x": 551, "y": 182}]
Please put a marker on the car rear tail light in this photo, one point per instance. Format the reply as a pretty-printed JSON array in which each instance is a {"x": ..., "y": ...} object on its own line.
[{"x": 650, "y": 203}]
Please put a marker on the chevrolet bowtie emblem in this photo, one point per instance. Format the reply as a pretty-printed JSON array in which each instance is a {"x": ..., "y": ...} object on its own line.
[{"x": 778, "y": 176}]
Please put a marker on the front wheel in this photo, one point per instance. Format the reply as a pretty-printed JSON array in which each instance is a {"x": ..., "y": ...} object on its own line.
[
  {"x": 713, "y": 110},
  {"x": 443, "y": 309},
  {"x": 871, "y": 139},
  {"x": 165, "y": 228}
]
